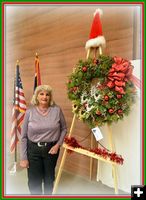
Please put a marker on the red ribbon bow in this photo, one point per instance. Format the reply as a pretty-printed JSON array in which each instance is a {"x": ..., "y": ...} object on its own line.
[{"x": 119, "y": 74}]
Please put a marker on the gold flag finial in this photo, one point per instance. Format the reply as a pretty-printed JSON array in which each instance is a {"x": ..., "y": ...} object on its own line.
[
  {"x": 17, "y": 62},
  {"x": 36, "y": 54}
]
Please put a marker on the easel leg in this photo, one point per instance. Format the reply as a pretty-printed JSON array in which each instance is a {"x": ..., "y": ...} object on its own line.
[
  {"x": 91, "y": 159},
  {"x": 111, "y": 146},
  {"x": 88, "y": 53},
  {"x": 114, "y": 171},
  {"x": 72, "y": 125},
  {"x": 98, "y": 170},
  {"x": 59, "y": 171},
  {"x": 63, "y": 159},
  {"x": 98, "y": 166}
]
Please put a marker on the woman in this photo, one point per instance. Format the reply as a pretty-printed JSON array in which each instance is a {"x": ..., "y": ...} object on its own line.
[{"x": 43, "y": 132}]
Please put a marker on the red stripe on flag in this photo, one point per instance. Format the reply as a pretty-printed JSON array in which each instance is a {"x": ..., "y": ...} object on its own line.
[
  {"x": 21, "y": 101},
  {"x": 20, "y": 120}
]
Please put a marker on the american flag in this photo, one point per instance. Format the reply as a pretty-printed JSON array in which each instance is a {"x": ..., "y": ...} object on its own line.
[
  {"x": 18, "y": 111},
  {"x": 37, "y": 80}
]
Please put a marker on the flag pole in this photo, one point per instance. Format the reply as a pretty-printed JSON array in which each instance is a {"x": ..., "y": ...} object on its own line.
[
  {"x": 15, "y": 161},
  {"x": 13, "y": 168},
  {"x": 19, "y": 108},
  {"x": 17, "y": 67}
]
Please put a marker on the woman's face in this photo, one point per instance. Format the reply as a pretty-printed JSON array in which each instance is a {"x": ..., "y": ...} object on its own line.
[{"x": 43, "y": 98}]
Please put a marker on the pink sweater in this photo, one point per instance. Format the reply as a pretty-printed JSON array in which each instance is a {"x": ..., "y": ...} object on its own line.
[{"x": 39, "y": 128}]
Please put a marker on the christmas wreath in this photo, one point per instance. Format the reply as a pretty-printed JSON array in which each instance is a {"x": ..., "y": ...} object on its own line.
[{"x": 101, "y": 90}]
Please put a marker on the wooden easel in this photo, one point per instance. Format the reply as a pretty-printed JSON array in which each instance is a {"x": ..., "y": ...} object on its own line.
[{"x": 88, "y": 153}]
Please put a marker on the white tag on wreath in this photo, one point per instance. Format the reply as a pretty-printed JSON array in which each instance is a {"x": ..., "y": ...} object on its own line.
[{"x": 97, "y": 133}]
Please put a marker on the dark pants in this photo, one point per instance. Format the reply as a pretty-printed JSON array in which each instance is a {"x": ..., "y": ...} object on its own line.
[{"x": 41, "y": 169}]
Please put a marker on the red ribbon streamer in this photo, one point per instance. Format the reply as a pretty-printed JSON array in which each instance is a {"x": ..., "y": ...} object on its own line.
[{"x": 71, "y": 141}]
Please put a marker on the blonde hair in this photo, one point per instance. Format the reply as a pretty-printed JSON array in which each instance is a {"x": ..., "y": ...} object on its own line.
[{"x": 40, "y": 88}]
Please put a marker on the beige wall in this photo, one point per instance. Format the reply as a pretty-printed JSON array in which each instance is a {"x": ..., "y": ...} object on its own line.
[{"x": 59, "y": 33}]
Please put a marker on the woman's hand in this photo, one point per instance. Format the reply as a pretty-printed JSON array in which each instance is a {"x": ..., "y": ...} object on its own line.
[
  {"x": 24, "y": 163},
  {"x": 54, "y": 149}
]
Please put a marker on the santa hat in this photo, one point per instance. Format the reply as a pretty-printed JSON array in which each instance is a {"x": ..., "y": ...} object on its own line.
[{"x": 96, "y": 38}]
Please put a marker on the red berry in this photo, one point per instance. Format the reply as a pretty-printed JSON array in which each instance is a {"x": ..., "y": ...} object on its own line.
[
  {"x": 85, "y": 105},
  {"x": 98, "y": 112},
  {"x": 84, "y": 69},
  {"x": 94, "y": 61},
  {"x": 120, "y": 111},
  {"x": 106, "y": 98},
  {"x": 119, "y": 96},
  {"x": 75, "y": 88},
  {"x": 110, "y": 110}
]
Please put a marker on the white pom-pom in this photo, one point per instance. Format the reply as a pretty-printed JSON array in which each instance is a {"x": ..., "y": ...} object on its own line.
[{"x": 98, "y": 11}]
